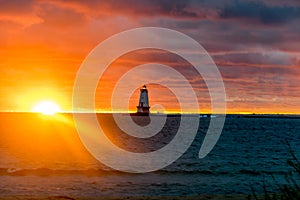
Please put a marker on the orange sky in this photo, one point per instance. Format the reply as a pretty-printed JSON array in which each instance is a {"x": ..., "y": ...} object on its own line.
[{"x": 43, "y": 44}]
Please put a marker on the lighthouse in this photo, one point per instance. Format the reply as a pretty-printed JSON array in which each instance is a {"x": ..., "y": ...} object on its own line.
[{"x": 143, "y": 107}]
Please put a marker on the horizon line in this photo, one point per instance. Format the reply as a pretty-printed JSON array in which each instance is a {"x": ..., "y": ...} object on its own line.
[{"x": 155, "y": 113}]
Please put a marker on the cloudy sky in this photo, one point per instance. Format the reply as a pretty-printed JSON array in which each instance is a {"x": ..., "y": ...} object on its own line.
[{"x": 255, "y": 44}]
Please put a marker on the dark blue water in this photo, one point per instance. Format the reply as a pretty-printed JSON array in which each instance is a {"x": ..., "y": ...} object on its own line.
[{"x": 249, "y": 151}]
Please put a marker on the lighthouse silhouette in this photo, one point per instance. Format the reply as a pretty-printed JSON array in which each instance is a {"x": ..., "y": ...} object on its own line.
[{"x": 143, "y": 107}]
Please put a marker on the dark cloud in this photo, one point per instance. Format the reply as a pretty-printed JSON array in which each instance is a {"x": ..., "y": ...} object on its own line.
[
  {"x": 174, "y": 8},
  {"x": 258, "y": 10},
  {"x": 256, "y": 58},
  {"x": 146, "y": 8}
]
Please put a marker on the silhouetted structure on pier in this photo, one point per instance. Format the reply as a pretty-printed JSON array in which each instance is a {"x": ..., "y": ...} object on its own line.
[{"x": 143, "y": 107}]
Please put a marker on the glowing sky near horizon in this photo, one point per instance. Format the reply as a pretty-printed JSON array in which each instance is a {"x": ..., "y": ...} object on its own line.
[{"x": 255, "y": 44}]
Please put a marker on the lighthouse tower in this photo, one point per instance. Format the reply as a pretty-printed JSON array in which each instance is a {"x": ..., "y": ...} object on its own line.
[{"x": 143, "y": 107}]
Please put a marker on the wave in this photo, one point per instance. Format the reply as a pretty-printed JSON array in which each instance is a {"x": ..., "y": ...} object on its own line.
[
  {"x": 103, "y": 172},
  {"x": 90, "y": 172},
  {"x": 258, "y": 173},
  {"x": 56, "y": 172},
  {"x": 87, "y": 172}
]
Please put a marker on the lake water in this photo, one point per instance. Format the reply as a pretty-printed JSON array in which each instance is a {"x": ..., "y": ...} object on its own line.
[{"x": 42, "y": 155}]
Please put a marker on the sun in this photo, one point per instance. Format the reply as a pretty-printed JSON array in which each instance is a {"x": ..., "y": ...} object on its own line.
[{"x": 46, "y": 108}]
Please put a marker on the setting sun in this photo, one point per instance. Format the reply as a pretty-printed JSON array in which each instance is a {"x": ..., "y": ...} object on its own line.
[{"x": 46, "y": 108}]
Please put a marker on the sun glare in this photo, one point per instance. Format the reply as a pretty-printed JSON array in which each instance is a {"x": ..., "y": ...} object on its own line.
[{"x": 46, "y": 108}]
